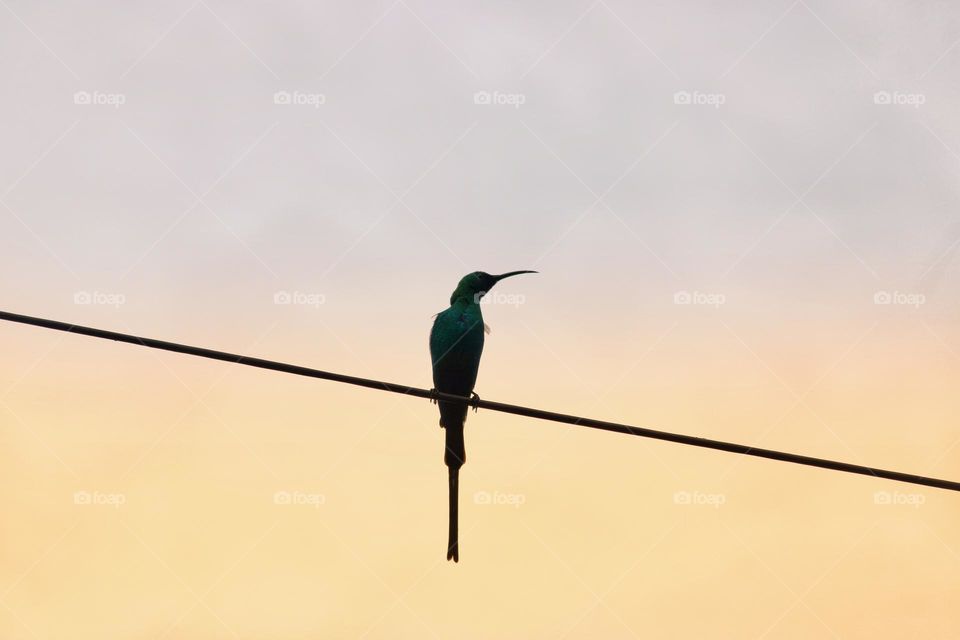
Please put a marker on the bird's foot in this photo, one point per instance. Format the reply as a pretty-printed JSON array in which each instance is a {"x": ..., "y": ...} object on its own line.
[
  {"x": 433, "y": 396},
  {"x": 474, "y": 402}
]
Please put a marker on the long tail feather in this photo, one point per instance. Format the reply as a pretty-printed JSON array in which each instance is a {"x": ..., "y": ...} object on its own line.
[
  {"x": 453, "y": 417},
  {"x": 453, "y": 544}
]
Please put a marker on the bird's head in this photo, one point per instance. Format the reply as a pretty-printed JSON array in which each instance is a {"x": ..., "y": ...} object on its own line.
[{"x": 474, "y": 286}]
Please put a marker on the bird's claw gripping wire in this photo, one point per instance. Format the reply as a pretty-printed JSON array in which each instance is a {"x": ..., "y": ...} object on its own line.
[{"x": 434, "y": 398}]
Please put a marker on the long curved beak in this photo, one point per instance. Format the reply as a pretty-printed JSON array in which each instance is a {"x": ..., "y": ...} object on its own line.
[{"x": 510, "y": 273}]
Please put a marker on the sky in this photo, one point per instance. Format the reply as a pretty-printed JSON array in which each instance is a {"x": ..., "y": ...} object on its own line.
[{"x": 745, "y": 216}]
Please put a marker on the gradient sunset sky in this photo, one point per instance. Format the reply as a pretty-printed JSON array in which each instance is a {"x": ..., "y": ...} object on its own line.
[{"x": 746, "y": 218}]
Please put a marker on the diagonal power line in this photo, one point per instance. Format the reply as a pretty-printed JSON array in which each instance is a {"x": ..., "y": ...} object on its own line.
[{"x": 528, "y": 412}]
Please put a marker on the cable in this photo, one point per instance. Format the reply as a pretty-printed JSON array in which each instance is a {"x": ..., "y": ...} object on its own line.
[{"x": 487, "y": 404}]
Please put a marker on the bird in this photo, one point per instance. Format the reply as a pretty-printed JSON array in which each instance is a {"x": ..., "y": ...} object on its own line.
[{"x": 456, "y": 344}]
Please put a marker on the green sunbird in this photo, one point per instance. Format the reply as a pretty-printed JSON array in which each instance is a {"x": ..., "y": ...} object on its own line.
[{"x": 456, "y": 344}]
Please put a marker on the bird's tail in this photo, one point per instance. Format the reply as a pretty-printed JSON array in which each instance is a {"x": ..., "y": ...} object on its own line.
[
  {"x": 454, "y": 456},
  {"x": 453, "y": 544},
  {"x": 452, "y": 414}
]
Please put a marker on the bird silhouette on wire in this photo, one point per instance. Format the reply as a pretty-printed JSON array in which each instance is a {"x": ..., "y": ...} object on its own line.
[{"x": 456, "y": 344}]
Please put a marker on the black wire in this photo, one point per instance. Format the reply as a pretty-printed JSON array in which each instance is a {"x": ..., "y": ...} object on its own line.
[{"x": 487, "y": 404}]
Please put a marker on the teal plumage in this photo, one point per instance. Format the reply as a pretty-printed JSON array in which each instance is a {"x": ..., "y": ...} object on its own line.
[{"x": 456, "y": 344}]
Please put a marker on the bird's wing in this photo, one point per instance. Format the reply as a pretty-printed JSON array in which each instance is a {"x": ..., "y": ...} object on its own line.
[
  {"x": 440, "y": 326},
  {"x": 434, "y": 336},
  {"x": 486, "y": 328}
]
